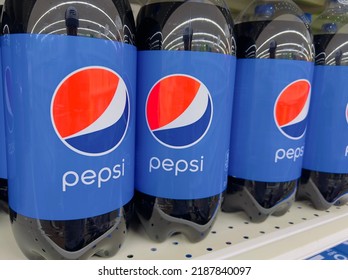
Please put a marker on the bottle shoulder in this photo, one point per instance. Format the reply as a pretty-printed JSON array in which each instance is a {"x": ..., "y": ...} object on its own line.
[{"x": 110, "y": 20}]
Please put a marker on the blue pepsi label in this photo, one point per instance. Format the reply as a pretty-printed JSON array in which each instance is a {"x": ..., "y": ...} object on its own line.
[
  {"x": 3, "y": 165},
  {"x": 269, "y": 119},
  {"x": 184, "y": 109},
  {"x": 71, "y": 125},
  {"x": 327, "y": 134},
  {"x": 339, "y": 252}
]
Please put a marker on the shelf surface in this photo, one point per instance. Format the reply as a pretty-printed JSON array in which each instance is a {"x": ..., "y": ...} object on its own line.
[{"x": 299, "y": 234}]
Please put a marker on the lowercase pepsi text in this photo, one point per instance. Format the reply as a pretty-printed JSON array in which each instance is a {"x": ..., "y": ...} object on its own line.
[
  {"x": 324, "y": 177},
  {"x": 183, "y": 114},
  {"x": 271, "y": 103},
  {"x": 76, "y": 177}
]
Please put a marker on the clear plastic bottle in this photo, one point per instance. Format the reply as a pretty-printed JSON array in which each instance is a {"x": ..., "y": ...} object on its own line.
[
  {"x": 324, "y": 179},
  {"x": 272, "y": 94},
  {"x": 186, "y": 64},
  {"x": 69, "y": 79}
]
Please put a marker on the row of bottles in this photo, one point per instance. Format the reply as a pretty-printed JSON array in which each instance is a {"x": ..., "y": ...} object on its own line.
[{"x": 80, "y": 161}]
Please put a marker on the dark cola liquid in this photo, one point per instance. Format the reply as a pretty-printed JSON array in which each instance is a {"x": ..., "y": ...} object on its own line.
[
  {"x": 253, "y": 40},
  {"x": 163, "y": 217},
  {"x": 101, "y": 235},
  {"x": 330, "y": 185},
  {"x": 260, "y": 199},
  {"x": 324, "y": 44}
]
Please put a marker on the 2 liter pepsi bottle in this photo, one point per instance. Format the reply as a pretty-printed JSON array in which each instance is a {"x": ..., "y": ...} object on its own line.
[
  {"x": 272, "y": 95},
  {"x": 324, "y": 178},
  {"x": 69, "y": 81},
  {"x": 186, "y": 70}
]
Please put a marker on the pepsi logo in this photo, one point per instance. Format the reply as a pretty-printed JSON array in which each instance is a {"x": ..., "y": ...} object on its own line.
[
  {"x": 291, "y": 109},
  {"x": 179, "y": 110},
  {"x": 90, "y": 111}
]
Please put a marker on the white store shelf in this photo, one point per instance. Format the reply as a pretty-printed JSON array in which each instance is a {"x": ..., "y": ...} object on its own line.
[{"x": 299, "y": 234}]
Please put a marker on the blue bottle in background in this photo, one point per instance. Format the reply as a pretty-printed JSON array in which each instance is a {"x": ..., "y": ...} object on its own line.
[
  {"x": 3, "y": 164},
  {"x": 324, "y": 179},
  {"x": 186, "y": 71},
  {"x": 272, "y": 95},
  {"x": 69, "y": 72}
]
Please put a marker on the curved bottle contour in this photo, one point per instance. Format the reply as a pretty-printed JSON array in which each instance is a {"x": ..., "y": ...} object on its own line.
[
  {"x": 59, "y": 23},
  {"x": 180, "y": 26},
  {"x": 324, "y": 180},
  {"x": 333, "y": 18},
  {"x": 272, "y": 36},
  {"x": 209, "y": 33},
  {"x": 111, "y": 20},
  {"x": 262, "y": 31},
  {"x": 262, "y": 10}
]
